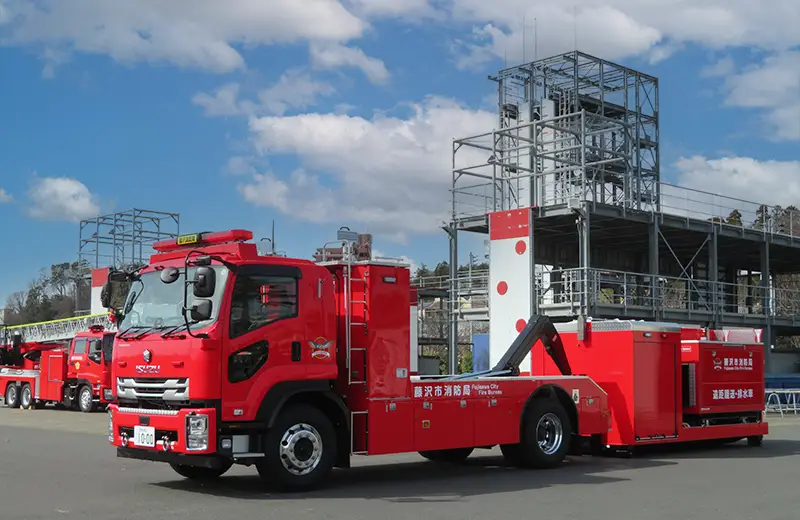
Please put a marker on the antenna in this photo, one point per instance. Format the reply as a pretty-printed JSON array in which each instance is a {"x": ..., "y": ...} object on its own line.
[
  {"x": 524, "y": 25},
  {"x": 273, "y": 236},
  {"x": 575, "y": 26}
]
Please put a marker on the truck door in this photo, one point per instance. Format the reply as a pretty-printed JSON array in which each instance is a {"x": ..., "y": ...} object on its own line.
[
  {"x": 266, "y": 340},
  {"x": 77, "y": 357}
]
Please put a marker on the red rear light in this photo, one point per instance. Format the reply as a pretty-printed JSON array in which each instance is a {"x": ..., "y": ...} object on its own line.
[{"x": 203, "y": 239}]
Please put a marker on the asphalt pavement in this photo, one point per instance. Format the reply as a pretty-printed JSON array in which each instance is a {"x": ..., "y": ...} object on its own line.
[{"x": 58, "y": 465}]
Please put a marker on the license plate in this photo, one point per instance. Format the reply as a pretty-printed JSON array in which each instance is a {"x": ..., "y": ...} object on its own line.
[{"x": 144, "y": 436}]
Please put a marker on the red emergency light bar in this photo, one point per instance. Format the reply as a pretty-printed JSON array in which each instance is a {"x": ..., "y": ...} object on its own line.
[{"x": 203, "y": 239}]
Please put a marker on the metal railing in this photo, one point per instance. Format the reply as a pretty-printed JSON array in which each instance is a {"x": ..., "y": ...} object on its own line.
[
  {"x": 657, "y": 293},
  {"x": 782, "y": 401},
  {"x": 478, "y": 199}
]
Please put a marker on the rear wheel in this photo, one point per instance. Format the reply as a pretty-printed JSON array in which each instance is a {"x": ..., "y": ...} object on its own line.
[
  {"x": 26, "y": 397},
  {"x": 86, "y": 399},
  {"x": 12, "y": 396},
  {"x": 200, "y": 473},
  {"x": 546, "y": 435},
  {"x": 300, "y": 449},
  {"x": 755, "y": 440},
  {"x": 452, "y": 455}
]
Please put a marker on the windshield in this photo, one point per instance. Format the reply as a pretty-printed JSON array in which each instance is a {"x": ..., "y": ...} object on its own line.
[{"x": 153, "y": 303}]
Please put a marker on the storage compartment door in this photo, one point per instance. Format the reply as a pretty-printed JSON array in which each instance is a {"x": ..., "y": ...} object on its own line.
[{"x": 655, "y": 372}]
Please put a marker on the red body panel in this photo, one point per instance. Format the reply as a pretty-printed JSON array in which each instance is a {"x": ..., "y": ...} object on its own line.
[
  {"x": 639, "y": 365},
  {"x": 724, "y": 377}
]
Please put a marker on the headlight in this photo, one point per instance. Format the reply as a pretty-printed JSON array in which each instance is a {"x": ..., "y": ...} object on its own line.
[
  {"x": 110, "y": 426},
  {"x": 196, "y": 432},
  {"x": 107, "y": 395}
]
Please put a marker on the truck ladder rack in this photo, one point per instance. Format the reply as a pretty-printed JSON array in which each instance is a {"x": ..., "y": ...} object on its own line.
[{"x": 55, "y": 330}]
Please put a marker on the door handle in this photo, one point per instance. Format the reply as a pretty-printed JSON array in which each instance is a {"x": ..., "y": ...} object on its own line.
[{"x": 296, "y": 352}]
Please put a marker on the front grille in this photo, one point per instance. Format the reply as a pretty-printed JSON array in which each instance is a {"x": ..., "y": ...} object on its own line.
[{"x": 170, "y": 390}]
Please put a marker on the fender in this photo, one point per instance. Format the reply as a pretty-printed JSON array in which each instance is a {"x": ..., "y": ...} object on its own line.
[{"x": 317, "y": 392}]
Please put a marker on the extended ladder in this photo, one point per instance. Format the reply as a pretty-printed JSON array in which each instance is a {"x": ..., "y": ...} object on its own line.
[{"x": 55, "y": 330}]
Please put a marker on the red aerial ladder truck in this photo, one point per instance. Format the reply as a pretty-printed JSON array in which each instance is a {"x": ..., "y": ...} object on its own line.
[
  {"x": 60, "y": 364},
  {"x": 295, "y": 366}
]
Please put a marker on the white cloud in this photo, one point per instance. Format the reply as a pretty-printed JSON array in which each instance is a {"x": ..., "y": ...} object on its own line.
[
  {"x": 295, "y": 89},
  {"x": 5, "y": 197},
  {"x": 731, "y": 183},
  {"x": 616, "y": 29},
  {"x": 61, "y": 198},
  {"x": 388, "y": 174},
  {"x": 199, "y": 34},
  {"x": 773, "y": 85},
  {"x": 334, "y": 56},
  {"x": 720, "y": 68}
]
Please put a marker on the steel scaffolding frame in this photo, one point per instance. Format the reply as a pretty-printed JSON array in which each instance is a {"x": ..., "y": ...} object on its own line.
[
  {"x": 577, "y": 138},
  {"x": 123, "y": 239}
]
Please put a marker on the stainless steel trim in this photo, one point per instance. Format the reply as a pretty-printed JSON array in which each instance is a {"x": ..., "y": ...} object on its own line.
[{"x": 171, "y": 389}]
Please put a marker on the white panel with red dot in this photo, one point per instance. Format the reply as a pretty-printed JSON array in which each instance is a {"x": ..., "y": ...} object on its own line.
[{"x": 509, "y": 281}]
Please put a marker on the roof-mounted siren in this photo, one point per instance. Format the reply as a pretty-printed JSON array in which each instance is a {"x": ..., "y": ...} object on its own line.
[{"x": 203, "y": 239}]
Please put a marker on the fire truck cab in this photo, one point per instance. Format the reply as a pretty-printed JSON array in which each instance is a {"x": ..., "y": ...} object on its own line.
[
  {"x": 74, "y": 375},
  {"x": 226, "y": 356}
]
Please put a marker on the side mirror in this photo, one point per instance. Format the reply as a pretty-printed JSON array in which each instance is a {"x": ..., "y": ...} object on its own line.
[
  {"x": 170, "y": 274},
  {"x": 204, "y": 282},
  {"x": 201, "y": 310},
  {"x": 105, "y": 295}
]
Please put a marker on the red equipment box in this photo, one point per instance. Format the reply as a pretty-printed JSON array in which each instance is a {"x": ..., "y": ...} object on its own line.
[
  {"x": 722, "y": 377},
  {"x": 637, "y": 364}
]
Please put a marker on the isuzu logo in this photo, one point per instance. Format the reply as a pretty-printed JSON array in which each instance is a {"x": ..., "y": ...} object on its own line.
[
  {"x": 148, "y": 369},
  {"x": 147, "y": 355}
]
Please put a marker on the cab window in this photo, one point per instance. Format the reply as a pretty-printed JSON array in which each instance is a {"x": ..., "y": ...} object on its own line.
[
  {"x": 95, "y": 350},
  {"x": 260, "y": 299},
  {"x": 79, "y": 346}
]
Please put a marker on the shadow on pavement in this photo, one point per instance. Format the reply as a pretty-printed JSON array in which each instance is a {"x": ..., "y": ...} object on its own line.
[
  {"x": 426, "y": 481},
  {"x": 715, "y": 450}
]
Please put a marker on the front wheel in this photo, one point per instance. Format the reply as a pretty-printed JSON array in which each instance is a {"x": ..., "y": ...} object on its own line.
[
  {"x": 86, "y": 399},
  {"x": 200, "y": 473},
  {"x": 300, "y": 449}
]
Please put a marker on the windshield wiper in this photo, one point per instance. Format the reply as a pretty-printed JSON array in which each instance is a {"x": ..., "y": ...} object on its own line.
[
  {"x": 121, "y": 335},
  {"x": 173, "y": 330}
]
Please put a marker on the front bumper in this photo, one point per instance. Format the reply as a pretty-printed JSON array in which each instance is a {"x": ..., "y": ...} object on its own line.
[{"x": 170, "y": 431}]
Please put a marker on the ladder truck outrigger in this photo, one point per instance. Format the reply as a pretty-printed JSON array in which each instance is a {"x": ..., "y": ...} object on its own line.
[
  {"x": 65, "y": 362},
  {"x": 227, "y": 356}
]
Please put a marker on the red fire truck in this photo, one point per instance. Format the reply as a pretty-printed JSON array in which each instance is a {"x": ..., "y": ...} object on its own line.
[
  {"x": 294, "y": 366},
  {"x": 75, "y": 374}
]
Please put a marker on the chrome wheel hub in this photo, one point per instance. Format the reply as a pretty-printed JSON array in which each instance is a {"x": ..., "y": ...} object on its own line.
[
  {"x": 549, "y": 433},
  {"x": 301, "y": 449},
  {"x": 86, "y": 399}
]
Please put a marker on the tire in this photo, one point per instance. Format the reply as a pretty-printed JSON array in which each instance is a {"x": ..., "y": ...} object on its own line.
[
  {"x": 200, "y": 473},
  {"x": 26, "y": 401},
  {"x": 512, "y": 454},
  {"x": 300, "y": 449},
  {"x": 452, "y": 456},
  {"x": 755, "y": 441},
  {"x": 546, "y": 434},
  {"x": 12, "y": 396},
  {"x": 85, "y": 399}
]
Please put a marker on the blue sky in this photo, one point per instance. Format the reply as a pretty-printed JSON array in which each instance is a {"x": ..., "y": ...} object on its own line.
[{"x": 340, "y": 112}]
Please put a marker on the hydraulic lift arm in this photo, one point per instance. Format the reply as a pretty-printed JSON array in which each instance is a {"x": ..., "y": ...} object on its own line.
[{"x": 539, "y": 327}]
